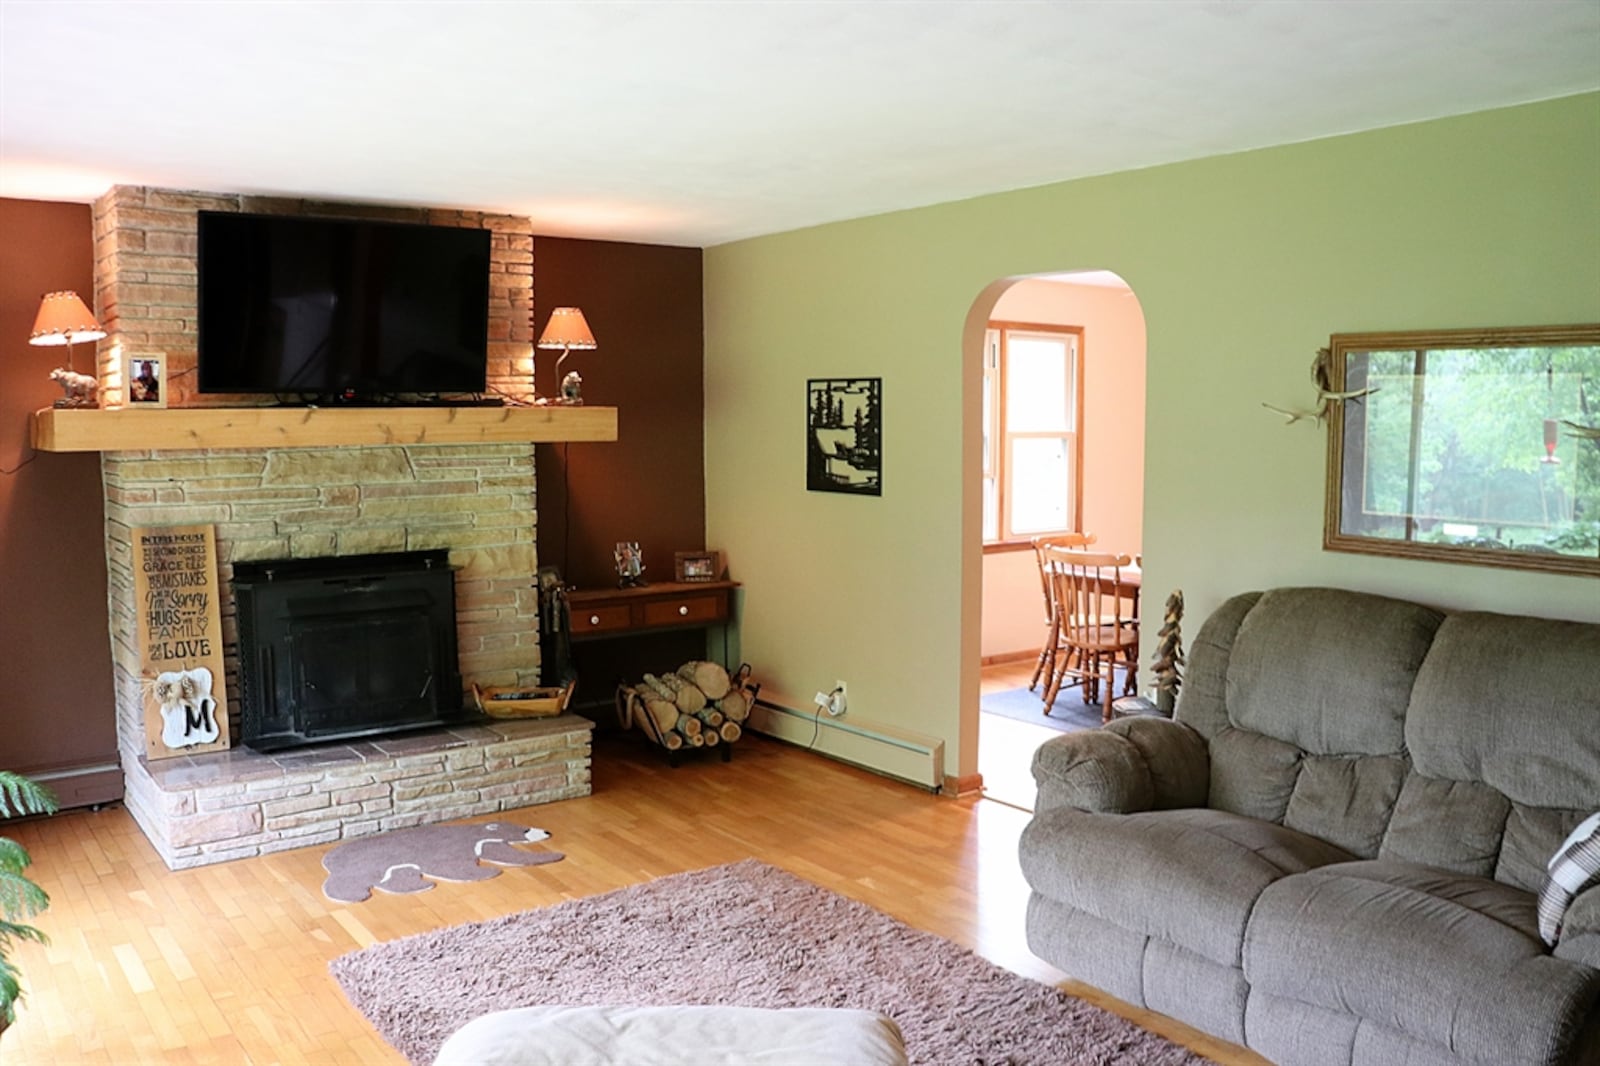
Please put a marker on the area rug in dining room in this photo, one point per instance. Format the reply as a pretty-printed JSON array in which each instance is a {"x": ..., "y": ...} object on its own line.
[
  {"x": 1069, "y": 715},
  {"x": 745, "y": 934}
]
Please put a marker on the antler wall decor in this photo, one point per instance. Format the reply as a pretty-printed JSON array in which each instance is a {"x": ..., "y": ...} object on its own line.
[{"x": 1322, "y": 378}]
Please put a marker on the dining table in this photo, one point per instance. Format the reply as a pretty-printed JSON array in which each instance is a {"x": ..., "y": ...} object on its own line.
[{"x": 1132, "y": 578}]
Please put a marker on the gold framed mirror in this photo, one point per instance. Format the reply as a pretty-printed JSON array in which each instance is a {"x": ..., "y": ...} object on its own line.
[{"x": 1468, "y": 446}]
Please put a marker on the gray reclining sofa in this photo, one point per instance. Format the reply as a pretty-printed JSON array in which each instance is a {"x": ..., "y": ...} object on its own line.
[{"x": 1333, "y": 853}]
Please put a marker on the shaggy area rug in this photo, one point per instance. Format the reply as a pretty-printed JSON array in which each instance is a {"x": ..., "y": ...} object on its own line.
[{"x": 745, "y": 934}]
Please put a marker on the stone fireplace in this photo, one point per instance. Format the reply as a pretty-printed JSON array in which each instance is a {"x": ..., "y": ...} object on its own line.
[
  {"x": 346, "y": 647},
  {"x": 472, "y": 502}
]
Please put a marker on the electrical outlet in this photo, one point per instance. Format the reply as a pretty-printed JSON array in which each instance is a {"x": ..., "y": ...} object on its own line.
[{"x": 838, "y": 701}]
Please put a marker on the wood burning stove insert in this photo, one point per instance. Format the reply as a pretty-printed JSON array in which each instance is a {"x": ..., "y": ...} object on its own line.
[{"x": 350, "y": 646}]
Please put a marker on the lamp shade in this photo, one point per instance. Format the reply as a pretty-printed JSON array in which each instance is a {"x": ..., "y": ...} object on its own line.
[
  {"x": 567, "y": 329},
  {"x": 63, "y": 319}
]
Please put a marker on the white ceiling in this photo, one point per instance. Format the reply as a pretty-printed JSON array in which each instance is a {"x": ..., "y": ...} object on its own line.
[{"x": 702, "y": 122}]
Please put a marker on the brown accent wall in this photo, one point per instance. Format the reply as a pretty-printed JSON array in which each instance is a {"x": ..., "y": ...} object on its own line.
[
  {"x": 643, "y": 303},
  {"x": 56, "y": 706}
]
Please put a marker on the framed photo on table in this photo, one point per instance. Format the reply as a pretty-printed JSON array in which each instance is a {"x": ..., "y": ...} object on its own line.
[
  {"x": 144, "y": 377},
  {"x": 698, "y": 566}
]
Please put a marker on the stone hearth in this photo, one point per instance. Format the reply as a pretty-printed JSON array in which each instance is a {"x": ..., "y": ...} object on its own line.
[
  {"x": 476, "y": 502},
  {"x": 212, "y": 808}
]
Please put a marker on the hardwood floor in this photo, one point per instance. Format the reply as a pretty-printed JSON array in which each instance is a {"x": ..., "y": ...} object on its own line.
[
  {"x": 1006, "y": 746},
  {"x": 228, "y": 963}
]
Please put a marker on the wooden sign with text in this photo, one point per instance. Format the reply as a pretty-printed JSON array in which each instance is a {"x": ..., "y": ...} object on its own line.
[{"x": 180, "y": 640}]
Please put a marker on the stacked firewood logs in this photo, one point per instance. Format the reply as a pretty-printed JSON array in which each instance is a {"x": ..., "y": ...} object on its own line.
[{"x": 700, "y": 705}]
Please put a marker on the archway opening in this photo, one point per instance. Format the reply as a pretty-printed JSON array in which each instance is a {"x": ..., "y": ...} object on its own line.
[{"x": 1053, "y": 408}]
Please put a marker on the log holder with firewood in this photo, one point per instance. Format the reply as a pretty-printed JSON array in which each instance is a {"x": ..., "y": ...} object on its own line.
[{"x": 699, "y": 705}]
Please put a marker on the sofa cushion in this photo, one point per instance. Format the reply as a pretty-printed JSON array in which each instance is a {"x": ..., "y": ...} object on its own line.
[
  {"x": 1327, "y": 670},
  {"x": 1203, "y": 701},
  {"x": 1346, "y": 800},
  {"x": 1288, "y": 1031},
  {"x": 1252, "y": 775},
  {"x": 1445, "y": 959},
  {"x": 1512, "y": 702},
  {"x": 1189, "y": 877},
  {"x": 1532, "y": 835},
  {"x": 1475, "y": 813}
]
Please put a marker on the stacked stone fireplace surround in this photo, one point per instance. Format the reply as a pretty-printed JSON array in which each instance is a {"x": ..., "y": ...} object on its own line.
[{"x": 475, "y": 500}]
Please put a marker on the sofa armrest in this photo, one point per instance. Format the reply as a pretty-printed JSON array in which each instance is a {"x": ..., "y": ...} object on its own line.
[
  {"x": 1133, "y": 764},
  {"x": 1580, "y": 929}
]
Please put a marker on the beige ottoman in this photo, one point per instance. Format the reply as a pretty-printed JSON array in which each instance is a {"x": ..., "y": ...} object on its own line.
[{"x": 675, "y": 1036}]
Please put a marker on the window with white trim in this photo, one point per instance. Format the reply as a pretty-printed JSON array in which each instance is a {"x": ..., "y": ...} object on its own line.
[{"x": 1032, "y": 449}]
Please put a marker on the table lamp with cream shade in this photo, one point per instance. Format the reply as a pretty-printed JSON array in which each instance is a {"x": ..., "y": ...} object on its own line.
[
  {"x": 64, "y": 320},
  {"x": 568, "y": 331}
]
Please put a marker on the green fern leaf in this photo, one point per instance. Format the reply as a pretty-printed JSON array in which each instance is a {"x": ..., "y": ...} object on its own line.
[
  {"x": 20, "y": 897},
  {"x": 19, "y": 796}
]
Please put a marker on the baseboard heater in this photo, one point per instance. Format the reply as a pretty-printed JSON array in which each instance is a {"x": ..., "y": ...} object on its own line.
[
  {"x": 897, "y": 753},
  {"x": 82, "y": 786}
]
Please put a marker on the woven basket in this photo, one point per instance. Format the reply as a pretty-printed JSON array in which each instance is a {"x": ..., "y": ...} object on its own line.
[{"x": 522, "y": 702}]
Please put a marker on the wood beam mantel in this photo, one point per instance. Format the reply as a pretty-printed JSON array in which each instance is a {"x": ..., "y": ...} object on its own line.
[{"x": 134, "y": 429}]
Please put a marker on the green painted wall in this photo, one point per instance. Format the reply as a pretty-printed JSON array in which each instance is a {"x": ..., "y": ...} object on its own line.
[{"x": 1243, "y": 264}]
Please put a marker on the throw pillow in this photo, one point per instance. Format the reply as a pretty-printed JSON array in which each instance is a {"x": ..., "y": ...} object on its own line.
[{"x": 1576, "y": 863}]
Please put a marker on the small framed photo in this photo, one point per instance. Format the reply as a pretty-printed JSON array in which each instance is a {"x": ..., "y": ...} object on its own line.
[
  {"x": 144, "y": 376},
  {"x": 630, "y": 564},
  {"x": 698, "y": 566}
]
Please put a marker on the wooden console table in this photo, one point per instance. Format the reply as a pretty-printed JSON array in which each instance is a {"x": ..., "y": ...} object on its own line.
[
  {"x": 659, "y": 618},
  {"x": 601, "y": 617},
  {"x": 602, "y": 613}
]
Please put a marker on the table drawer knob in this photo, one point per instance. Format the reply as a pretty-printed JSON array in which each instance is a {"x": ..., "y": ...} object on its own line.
[
  {"x": 594, "y": 619},
  {"x": 683, "y": 610}
]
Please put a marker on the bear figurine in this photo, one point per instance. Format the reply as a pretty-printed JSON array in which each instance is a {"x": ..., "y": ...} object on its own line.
[
  {"x": 81, "y": 389},
  {"x": 403, "y": 860}
]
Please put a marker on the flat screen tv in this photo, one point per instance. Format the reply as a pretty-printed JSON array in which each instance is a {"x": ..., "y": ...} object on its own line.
[{"x": 341, "y": 309}]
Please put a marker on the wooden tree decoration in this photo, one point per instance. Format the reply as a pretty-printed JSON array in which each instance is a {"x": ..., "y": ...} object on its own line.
[{"x": 1169, "y": 655}]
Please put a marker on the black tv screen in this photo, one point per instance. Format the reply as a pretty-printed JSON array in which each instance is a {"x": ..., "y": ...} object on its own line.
[{"x": 341, "y": 308}]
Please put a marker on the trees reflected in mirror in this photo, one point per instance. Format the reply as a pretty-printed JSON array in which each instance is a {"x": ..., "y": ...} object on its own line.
[{"x": 1475, "y": 446}]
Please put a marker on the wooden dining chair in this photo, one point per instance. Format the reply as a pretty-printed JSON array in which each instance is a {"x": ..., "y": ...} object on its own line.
[
  {"x": 1048, "y": 652},
  {"x": 1088, "y": 589}
]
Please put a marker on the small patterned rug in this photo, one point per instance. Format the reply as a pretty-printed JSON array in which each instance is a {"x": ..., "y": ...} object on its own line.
[
  {"x": 411, "y": 860},
  {"x": 746, "y": 934}
]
